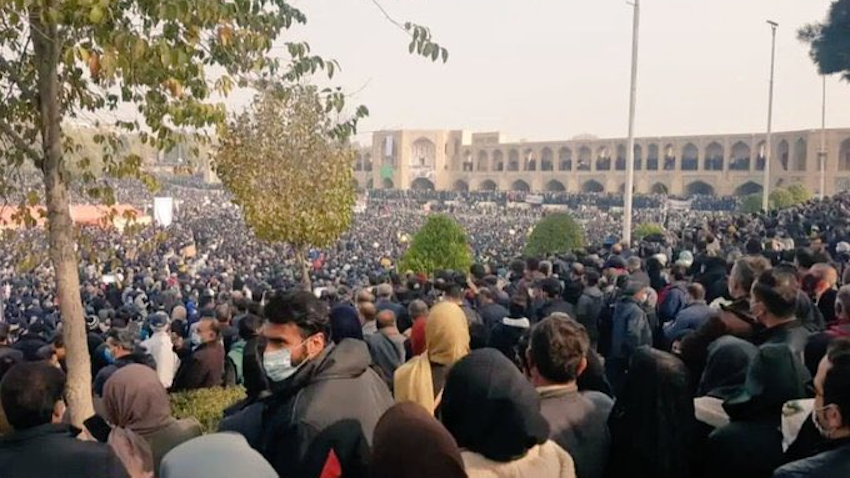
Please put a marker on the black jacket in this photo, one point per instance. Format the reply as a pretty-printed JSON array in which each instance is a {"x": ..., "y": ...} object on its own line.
[
  {"x": 29, "y": 345},
  {"x": 139, "y": 357},
  {"x": 833, "y": 462},
  {"x": 54, "y": 451},
  {"x": 493, "y": 314},
  {"x": 203, "y": 369},
  {"x": 331, "y": 403}
]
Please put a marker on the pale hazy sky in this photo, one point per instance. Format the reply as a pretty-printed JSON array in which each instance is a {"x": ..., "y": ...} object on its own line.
[{"x": 552, "y": 69}]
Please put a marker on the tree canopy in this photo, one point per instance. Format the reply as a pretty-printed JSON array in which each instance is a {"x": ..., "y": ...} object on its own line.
[
  {"x": 647, "y": 229},
  {"x": 829, "y": 41},
  {"x": 555, "y": 234},
  {"x": 440, "y": 244},
  {"x": 288, "y": 169}
]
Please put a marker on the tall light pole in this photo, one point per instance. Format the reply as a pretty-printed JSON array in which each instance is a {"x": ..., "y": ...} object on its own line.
[
  {"x": 630, "y": 152},
  {"x": 822, "y": 151},
  {"x": 765, "y": 200}
]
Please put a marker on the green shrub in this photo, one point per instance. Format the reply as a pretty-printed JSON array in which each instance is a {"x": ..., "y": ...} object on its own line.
[
  {"x": 206, "y": 404},
  {"x": 440, "y": 244},
  {"x": 751, "y": 204},
  {"x": 799, "y": 193},
  {"x": 554, "y": 234},
  {"x": 781, "y": 198},
  {"x": 647, "y": 229}
]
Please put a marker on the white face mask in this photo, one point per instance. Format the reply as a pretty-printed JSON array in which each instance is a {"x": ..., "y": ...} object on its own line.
[
  {"x": 824, "y": 432},
  {"x": 278, "y": 364}
]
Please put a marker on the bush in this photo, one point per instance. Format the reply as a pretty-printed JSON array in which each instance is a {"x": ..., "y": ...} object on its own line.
[
  {"x": 647, "y": 229},
  {"x": 751, "y": 204},
  {"x": 799, "y": 193},
  {"x": 781, "y": 198},
  {"x": 440, "y": 244},
  {"x": 206, "y": 404},
  {"x": 555, "y": 234}
]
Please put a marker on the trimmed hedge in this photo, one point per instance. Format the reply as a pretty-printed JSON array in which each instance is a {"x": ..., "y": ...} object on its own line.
[{"x": 207, "y": 405}]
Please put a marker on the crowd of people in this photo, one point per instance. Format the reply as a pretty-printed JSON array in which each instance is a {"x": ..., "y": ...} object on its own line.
[{"x": 719, "y": 348}]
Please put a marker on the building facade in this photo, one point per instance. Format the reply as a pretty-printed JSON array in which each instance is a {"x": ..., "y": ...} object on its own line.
[{"x": 682, "y": 165}]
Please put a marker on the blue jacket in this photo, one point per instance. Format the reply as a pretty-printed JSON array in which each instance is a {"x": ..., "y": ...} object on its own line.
[
  {"x": 631, "y": 329},
  {"x": 674, "y": 301},
  {"x": 688, "y": 319}
]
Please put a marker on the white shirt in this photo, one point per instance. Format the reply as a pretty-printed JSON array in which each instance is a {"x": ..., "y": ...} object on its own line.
[{"x": 161, "y": 349}]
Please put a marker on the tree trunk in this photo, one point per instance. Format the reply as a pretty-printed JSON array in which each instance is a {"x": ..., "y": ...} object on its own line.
[
  {"x": 301, "y": 257},
  {"x": 46, "y": 46}
]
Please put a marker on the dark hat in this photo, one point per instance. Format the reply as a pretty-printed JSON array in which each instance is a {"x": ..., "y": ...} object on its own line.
[
  {"x": 774, "y": 377},
  {"x": 158, "y": 320}
]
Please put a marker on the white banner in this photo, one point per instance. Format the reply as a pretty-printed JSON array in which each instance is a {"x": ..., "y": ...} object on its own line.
[{"x": 163, "y": 211}]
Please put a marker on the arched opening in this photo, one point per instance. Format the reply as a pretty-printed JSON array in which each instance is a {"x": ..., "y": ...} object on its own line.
[
  {"x": 749, "y": 187},
  {"x": 713, "y": 157},
  {"x": 844, "y": 155},
  {"x": 483, "y": 163},
  {"x": 652, "y": 158},
  {"x": 487, "y": 185},
  {"x": 669, "y": 158},
  {"x": 423, "y": 154},
  {"x": 530, "y": 161},
  {"x": 422, "y": 184},
  {"x": 638, "y": 157},
  {"x": 388, "y": 183},
  {"x": 367, "y": 163},
  {"x": 659, "y": 188},
  {"x": 592, "y": 186},
  {"x": 546, "y": 160},
  {"x": 520, "y": 185},
  {"x": 585, "y": 157},
  {"x": 565, "y": 159},
  {"x": 783, "y": 153},
  {"x": 800, "y": 155},
  {"x": 741, "y": 155},
  {"x": 498, "y": 161},
  {"x": 467, "y": 161},
  {"x": 761, "y": 156},
  {"x": 603, "y": 159},
  {"x": 699, "y": 188},
  {"x": 690, "y": 157},
  {"x": 461, "y": 186},
  {"x": 513, "y": 160},
  {"x": 621, "y": 157},
  {"x": 555, "y": 186},
  {"x": 390, "y": 152}
]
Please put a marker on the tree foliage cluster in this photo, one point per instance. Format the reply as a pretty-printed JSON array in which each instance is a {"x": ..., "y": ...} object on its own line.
[
  {"x": 440, "y": 244},
  {"x": 780, "y": 198},
  {"x": 829, "y": 41},
  {"x": 554, "y": 234},
  {"x": 647, "y": 229}
]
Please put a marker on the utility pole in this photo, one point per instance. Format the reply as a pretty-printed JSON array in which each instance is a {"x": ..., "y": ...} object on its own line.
[
  {"x": 765, "y": 200},
  {"x": 630, "y": 152}
]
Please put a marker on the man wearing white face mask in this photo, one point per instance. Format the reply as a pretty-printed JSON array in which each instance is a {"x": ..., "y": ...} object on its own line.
[
  {"x": 831, "y": 416},
  {"x": 325, "y": 399}
]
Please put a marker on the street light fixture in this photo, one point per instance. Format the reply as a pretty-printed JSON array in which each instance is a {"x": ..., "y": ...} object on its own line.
[{"x": 765, "y": 200}]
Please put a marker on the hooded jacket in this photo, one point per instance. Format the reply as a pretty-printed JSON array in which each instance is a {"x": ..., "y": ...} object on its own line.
[
  {"x": 494, "y": 414},
  {"x": 332, "y": 403}
]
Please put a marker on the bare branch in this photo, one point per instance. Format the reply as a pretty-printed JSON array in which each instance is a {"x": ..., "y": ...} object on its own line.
[{"x": 389, "y": 17}]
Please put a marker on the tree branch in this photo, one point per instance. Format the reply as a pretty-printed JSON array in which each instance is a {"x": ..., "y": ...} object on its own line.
[
  {"x": 389, "y": 17},
  {"x": 20, "y": 142}
]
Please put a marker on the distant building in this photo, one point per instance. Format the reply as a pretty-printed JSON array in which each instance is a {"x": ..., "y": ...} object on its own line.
[{"x": 681, "y": 165}]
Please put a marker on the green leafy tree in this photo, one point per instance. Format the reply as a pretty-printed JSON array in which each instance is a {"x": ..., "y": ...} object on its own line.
[
  {"x": 828, "y": 41},
  {"x": 166, "y": 63},
  {"x": 289, "y": 171},
  {"x": 440, "y": 244},
  {"x": 781, "y": 198},
  {"x": 751, "y": 204},
  {"x": 647, "y": 229},
  {"x": 799, "y": 193},
  {"x": 554, "y": 234}
]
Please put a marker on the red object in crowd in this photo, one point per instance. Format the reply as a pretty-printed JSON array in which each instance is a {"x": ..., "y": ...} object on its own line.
[{"x": 332, "y": 468}]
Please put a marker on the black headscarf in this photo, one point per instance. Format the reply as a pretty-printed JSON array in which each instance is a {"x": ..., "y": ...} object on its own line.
[{"x": 491, "y": 409}]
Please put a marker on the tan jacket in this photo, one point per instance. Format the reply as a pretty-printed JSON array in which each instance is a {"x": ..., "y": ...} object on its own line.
[{"x": 544, "y": 461}]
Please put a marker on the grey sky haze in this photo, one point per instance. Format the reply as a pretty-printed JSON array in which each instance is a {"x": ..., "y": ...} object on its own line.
[{"x": 553, "y": 69}]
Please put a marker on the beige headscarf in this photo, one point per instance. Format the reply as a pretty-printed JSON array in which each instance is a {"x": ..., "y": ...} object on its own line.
[
  {"x": 137, "y": 405},
  {"x": 447, "y": 341}
]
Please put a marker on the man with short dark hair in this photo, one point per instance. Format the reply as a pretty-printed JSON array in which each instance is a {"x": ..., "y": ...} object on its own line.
[
  {"x": 556, "y": 356},
  {"x": 387, "y": 345},
  {"x": 229, "y": 333},
  {"x": 491, "y": 312},
  {"x": 31, "y": 395},
  {"x": 204, "y": 367},
  {"x": 418, "y": 311},
  {"x": 590, "y": 305},
  {"x": 456, "y": 294},
  {"x": 326, "y": 400},
  {"x": 121, "y": 350},
  {"x": 831, "y": 416},
  {"x": 550, "y": 293},
  {"x": 774, "y": 303}
]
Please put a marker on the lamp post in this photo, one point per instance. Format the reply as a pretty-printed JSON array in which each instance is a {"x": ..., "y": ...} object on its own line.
[
  {"x": 766, "y": 187},
  {"x": 630, "y": 152},
  {"x": 822, "y": 151}
]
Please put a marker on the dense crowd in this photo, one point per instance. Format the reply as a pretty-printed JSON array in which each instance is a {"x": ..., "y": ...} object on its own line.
[{"x": 720, "y": 348}]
